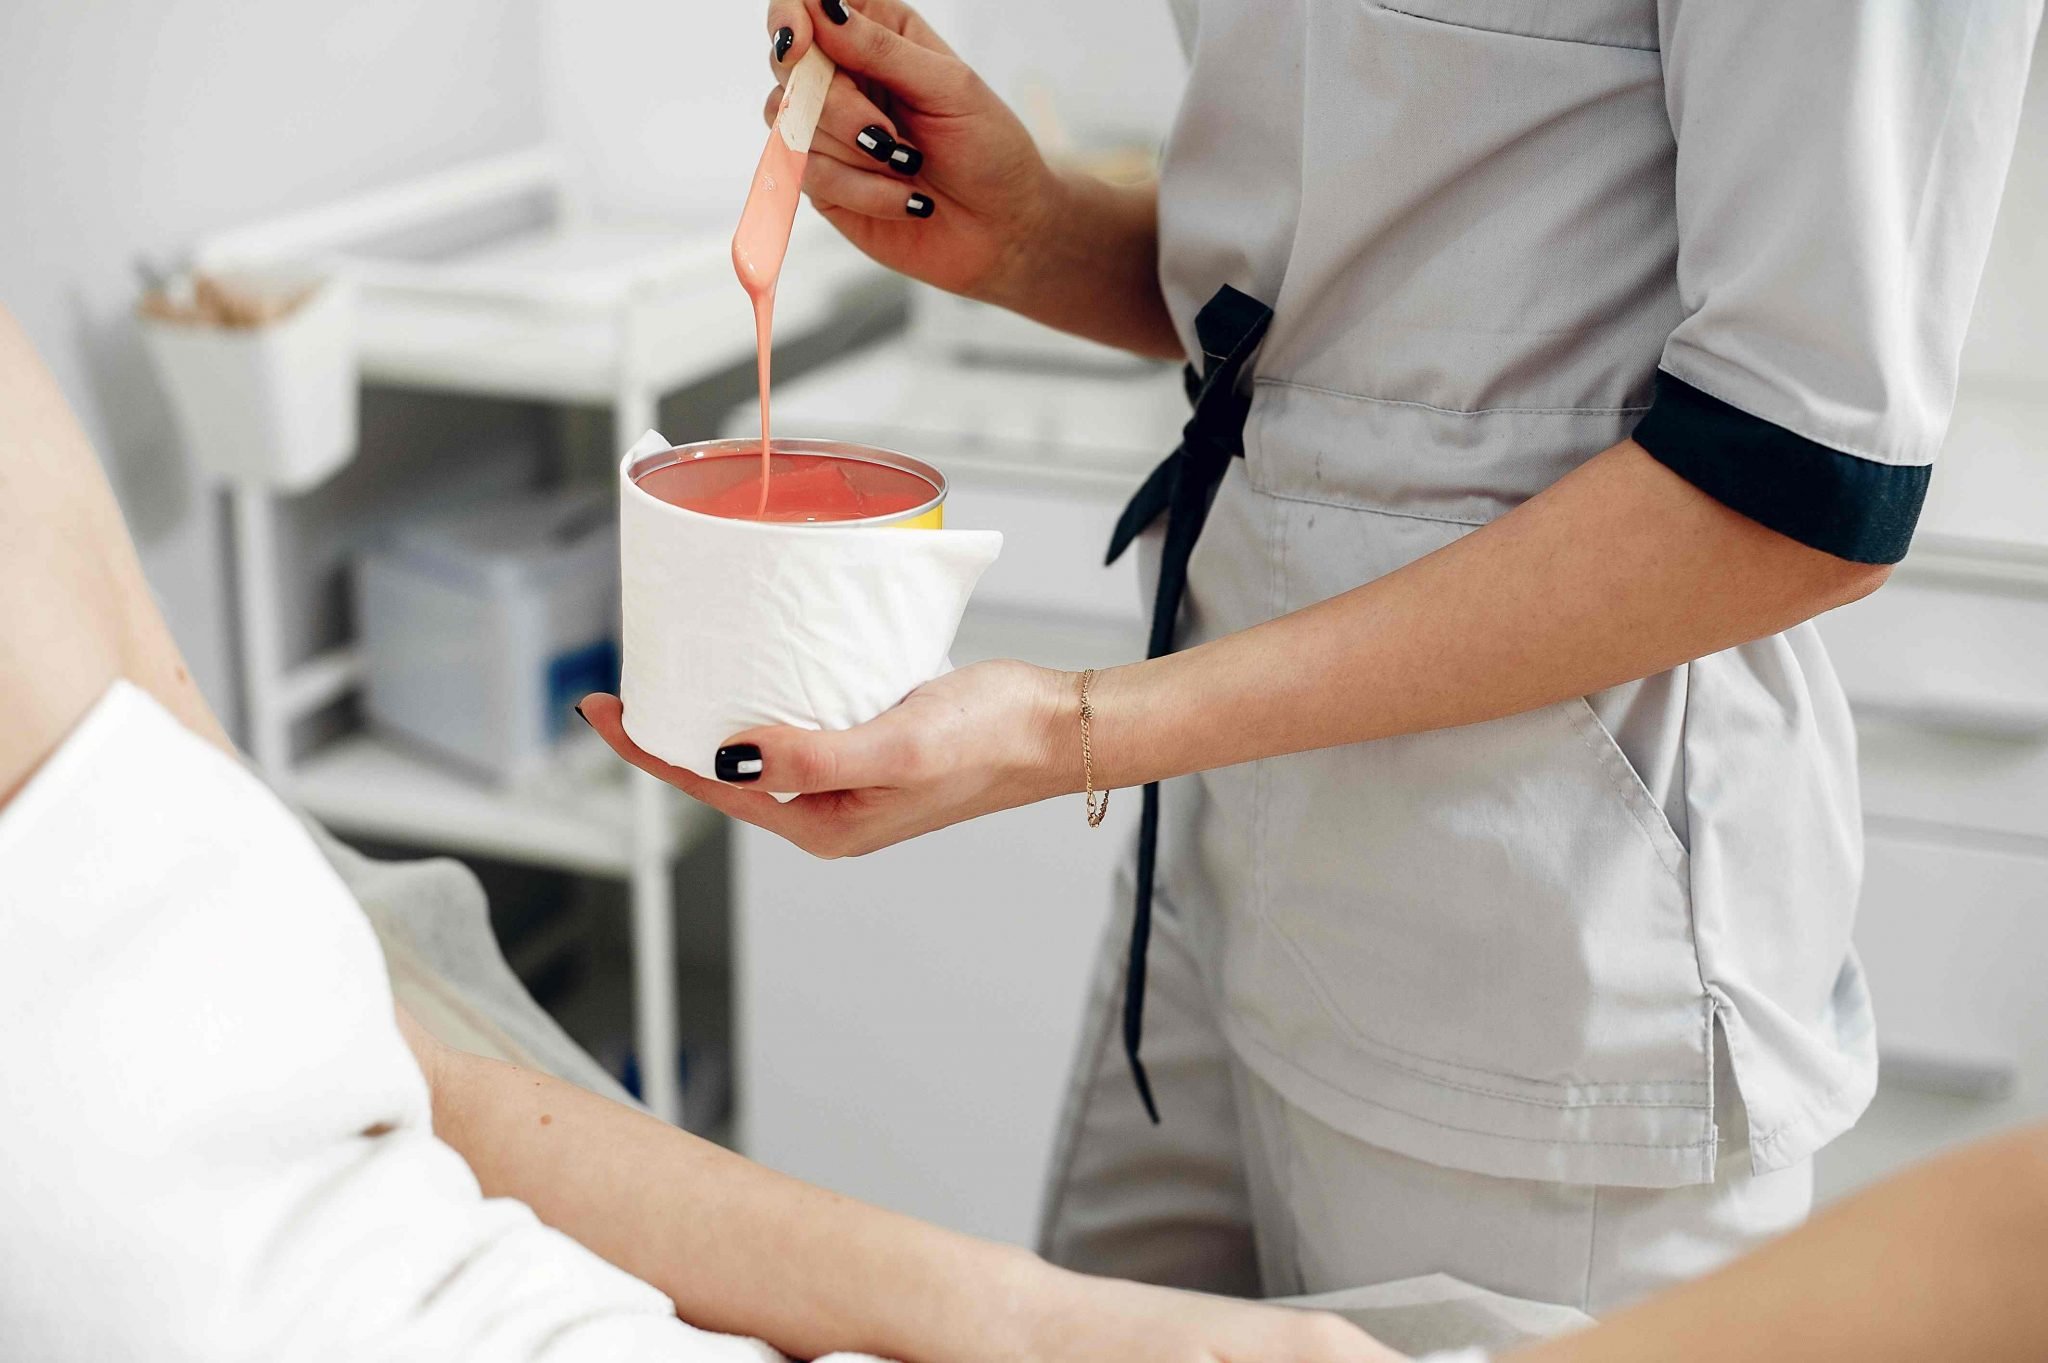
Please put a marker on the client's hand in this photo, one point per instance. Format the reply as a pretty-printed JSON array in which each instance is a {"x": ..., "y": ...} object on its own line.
[{"x": 987, "y": 737}]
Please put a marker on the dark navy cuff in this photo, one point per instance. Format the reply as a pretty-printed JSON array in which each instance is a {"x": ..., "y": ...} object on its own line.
[{"x": 1853, "y": 508}]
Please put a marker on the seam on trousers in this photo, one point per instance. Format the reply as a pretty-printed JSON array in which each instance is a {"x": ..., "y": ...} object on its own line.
[
  {"x": 1277, "y": 1110},
  {"x": 1088, "y": 1069},
  {"x": 1592, "y": 1241},
  {"x": 1270, "y": 1117}
]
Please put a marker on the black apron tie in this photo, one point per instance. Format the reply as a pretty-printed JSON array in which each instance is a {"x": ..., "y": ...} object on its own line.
[{"x": 1229, "y": 328}]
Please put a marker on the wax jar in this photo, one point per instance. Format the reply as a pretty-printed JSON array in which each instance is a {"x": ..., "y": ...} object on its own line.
[{"x": 731, "y": 622}]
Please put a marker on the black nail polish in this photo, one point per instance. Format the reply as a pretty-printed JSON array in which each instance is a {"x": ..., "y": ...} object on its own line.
[
  {"x": 741, "y": 762},
  {"x": 876, "y": 142},
  {"x": 785, "y": 39},
  {"x": 835, "y": 10},
  {"x": 906, "y": 160},
  {"x": 585, "y": 718},
  {"x": 918, "y": 206}
]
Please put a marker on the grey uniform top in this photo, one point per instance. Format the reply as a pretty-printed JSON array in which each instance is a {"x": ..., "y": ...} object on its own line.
[{"x": 1499, "y": 236}]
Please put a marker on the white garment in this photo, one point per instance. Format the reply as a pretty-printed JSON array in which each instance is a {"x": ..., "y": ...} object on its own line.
[
  {"x": 1483, "y": 228},
  {"x": 1242, "y": 1191},
  {"x": 729, "y": 625},
  {"x": 200, "y": 1053}
]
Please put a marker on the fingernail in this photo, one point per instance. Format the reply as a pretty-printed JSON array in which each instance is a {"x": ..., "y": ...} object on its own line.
[
  {"x": 585, "y": 718},
  {"x": 835, "y": 10},
  {"x": 906, "y": 160},
  {"x": 785, "y": 39},
  {"x": 740, "y": 762},
  {"x": 876, "y": 142},
  {"x": 918, "y": 206}
]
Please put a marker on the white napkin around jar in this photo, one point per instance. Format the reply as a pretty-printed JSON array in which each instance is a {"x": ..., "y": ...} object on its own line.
[{"x": 732, "y": 624}]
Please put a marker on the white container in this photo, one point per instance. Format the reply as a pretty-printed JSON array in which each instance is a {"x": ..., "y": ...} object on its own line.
[
  {"x": 272, "y": 405},
  {"x": 481, "y": 629},
  {"x": 732, "y": 624}
]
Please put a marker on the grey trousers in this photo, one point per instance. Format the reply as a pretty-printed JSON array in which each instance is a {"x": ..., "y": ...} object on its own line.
[{"x": 1240, "y": 1192}]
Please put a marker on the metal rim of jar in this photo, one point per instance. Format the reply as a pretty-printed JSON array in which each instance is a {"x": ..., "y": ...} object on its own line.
[{"x": 647, "y": 463}]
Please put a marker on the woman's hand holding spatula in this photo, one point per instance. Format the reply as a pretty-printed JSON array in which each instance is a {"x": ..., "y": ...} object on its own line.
[{"x": 923, "y": 168}]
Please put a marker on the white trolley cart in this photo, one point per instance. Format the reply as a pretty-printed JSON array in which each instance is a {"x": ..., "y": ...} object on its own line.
[{"x": 491, "y": 279}]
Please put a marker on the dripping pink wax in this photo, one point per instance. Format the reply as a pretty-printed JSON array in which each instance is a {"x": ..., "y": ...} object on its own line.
[{"x": 758, "y": 248}]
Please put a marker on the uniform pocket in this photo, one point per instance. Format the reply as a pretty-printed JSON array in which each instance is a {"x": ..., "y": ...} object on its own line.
[
  {"x": 1601, "y": 23},
  {"x": 1503, "y": 900},
  {"x": 1630, "y": 788}
]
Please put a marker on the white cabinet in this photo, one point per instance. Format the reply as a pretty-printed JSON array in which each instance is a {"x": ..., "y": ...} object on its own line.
[
  {"x": 1954, "y": 937},
  {"x": 1954, "y": 934},
  {"x": 1947, "y": 668},
  {"x": 905, "y": 1020}
]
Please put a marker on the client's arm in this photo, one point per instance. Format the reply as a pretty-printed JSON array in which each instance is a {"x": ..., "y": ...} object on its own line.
[
  {"x": 736, "y": 1246},
  {"x": 741, "y": 1248},
  {"x": 1943, "y": 1261}
]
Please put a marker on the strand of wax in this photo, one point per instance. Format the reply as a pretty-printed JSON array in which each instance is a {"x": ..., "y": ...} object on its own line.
[{"x": 762, "y": 240}]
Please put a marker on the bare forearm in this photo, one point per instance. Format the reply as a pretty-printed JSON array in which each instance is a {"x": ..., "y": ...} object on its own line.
[
  {"x": 1942, "y": 1262},
  {"x": 1091, "y": 266},
  {"x": 1618, "y": 571},
  {"x": 737, "y": 1247}
]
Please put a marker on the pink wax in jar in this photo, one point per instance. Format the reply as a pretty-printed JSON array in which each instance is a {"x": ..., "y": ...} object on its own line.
[{"x": 801, "y": 487}]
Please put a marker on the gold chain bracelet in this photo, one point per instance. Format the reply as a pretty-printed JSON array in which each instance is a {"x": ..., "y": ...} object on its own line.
[{"x": 1098, "y": 800}]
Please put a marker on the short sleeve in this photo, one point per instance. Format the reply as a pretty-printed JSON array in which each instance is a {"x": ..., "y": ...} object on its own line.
[{"x": 1839, "y": 168}]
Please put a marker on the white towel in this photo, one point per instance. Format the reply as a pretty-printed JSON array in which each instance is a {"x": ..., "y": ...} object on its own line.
[
  {"x": 199, "y": 1039},
  {"x": 733, "y": 624}
]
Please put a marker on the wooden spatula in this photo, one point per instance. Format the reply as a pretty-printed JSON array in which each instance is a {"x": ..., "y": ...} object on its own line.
[{"x": 803, "y": 99}]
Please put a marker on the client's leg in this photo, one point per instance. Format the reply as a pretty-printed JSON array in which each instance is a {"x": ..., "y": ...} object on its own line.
[{"x": 75, "y": 612}]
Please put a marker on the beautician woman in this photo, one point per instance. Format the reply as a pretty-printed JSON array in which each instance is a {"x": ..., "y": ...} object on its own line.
[{"x": 1578, "y": 354}]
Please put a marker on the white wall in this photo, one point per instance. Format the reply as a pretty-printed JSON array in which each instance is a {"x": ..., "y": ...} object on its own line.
[
  {"x": 128, "y": 126},
  {"x": 132, "y": 126},
  {"x": 660, "y": 102},
  {"x": 2009, "y": 330}
]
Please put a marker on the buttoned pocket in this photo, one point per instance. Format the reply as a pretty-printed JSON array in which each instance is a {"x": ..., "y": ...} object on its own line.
[{"x": 1602, "y": 23}]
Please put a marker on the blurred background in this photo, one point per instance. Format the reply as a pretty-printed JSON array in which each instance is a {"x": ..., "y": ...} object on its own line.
[{"x": 493, "y": 240}]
